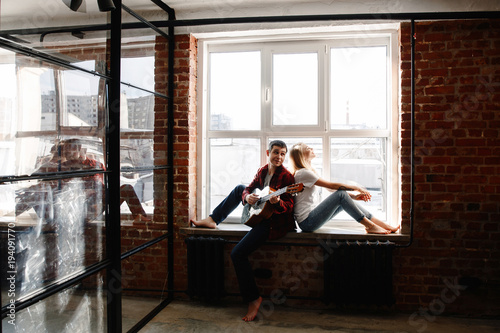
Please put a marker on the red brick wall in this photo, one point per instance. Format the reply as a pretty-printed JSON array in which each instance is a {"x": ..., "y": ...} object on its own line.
[
  {"x": 184, "y": 143},
  {"x": 457, "y": 166}
]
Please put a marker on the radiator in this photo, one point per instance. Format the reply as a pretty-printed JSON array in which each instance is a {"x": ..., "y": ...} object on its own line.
[
  {"x": 205, "y": 264},
  {"x": 358, "y": 273}
]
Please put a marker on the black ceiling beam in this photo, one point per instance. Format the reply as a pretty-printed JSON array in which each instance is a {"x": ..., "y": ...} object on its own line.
[{"x": 265, "y": 19}]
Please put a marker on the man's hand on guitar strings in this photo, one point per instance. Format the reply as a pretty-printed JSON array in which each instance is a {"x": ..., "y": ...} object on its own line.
[{"x": 274, "y": 200}]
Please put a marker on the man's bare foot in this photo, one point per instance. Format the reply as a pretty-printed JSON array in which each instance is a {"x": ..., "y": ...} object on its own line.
[
  {"x": 375, "y": 229},
  {"x": 253, "y": 309},
  {"x": 205, "y": 223}
]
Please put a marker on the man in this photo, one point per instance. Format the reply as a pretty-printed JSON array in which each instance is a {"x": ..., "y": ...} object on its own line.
[{"x": 276, "y": 176}]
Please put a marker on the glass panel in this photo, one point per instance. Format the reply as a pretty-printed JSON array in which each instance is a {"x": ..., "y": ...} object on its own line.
[
  {"x": 232, "y": 162},
  {"x": 139, "y": 70},
  {"x": 39, "y": 97},
  {"x": 80, "y": 97},
  {"x": 235, "y": 91},
  {"x": 85, "y": 49},
  {"x": 362, "y": 161},
  {"x": 138, "y": 54},
  {"x": 137, "y": 109},
  {"x": 81, "y": 308},
  {"x": 52, "y": 228},
  {"x": 358, "y": 88},
  {"x": 137, "y": 196},
  {"x": 8, "y": 112},
  {"x": 295, "y": 89},
  {"x": 144, "y": 277}
]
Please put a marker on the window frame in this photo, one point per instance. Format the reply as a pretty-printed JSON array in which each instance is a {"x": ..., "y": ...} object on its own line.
[{"x": 365, "y": 35}]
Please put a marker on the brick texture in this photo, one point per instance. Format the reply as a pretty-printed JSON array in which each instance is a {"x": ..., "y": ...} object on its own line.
[{"x": 456, "y": 208}]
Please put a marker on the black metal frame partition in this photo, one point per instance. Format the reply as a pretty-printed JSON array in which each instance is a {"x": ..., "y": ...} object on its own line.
[{"x": 112, "y": 263}]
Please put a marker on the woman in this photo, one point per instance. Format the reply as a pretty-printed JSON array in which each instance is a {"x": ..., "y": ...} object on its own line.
[{"x": 311, "y": 215}]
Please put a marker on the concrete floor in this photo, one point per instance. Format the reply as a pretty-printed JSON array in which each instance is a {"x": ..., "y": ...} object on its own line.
[{"x": 191, "y": 316}]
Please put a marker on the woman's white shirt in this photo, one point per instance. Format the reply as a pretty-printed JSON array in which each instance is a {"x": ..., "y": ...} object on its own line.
[{"x": 306, "y": 200}]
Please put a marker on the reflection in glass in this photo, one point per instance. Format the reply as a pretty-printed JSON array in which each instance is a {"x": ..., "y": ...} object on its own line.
[
  {"x": 358, "y": 88},
  {"x": 55, "y": 230},
  {"x": 232, "y": 162},
  {"x": 81, "y": 308},
  {"x": 295, "y": 89},
  {"x": 142, "y": 289},
  {"x": 80, "y": 96},
  {"x": 136, "y": 109},
  {"x": 361, "y": 161},
  {"x": 45, "y": 98},
  {"x": 136, "y": 196},
  {"x": 235, "y": 91}
]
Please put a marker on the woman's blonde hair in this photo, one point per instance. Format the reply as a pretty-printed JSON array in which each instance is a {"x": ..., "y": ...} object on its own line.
[{"x": 297, "y": 159}]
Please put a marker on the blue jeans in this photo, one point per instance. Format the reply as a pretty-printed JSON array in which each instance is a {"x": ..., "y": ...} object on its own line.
[
  {"x": 331, "y": 206},
  {"x": 248, "y": 244},
  {"x": 252, "y": 241},
  {"x": 227, "y": 205}
]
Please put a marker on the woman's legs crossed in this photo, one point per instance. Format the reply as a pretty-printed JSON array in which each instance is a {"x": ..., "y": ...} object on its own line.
[
  {"x": 328, "y": 208},
  {"x": 332, "y": 205}
]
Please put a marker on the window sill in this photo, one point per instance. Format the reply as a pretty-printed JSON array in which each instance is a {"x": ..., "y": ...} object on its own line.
[{"x": 339, "y": 231}]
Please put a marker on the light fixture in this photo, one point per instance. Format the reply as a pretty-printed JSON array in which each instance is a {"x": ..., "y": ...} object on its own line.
[
  {"x": 104, "y": 5},
  {"x": 73, "y": 4}
]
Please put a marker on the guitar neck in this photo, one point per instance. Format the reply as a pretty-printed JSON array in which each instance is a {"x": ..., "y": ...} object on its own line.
[{"x": 270, "y": 195}]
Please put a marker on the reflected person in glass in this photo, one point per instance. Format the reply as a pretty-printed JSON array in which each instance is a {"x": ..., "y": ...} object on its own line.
[
  {"x": 76, "y": 159},
  {"x": 276, "y": 176},
  {"x": 311, "y": 214}
]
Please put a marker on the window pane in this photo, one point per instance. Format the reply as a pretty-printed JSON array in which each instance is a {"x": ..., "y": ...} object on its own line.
[
  {"x": 232, "y": 162},
  {"x": 359, "y": 88},
  {"x": 235, "y": 94},
  {"x": 295, "y": 89},
  {"x": 362, "y": 161}
]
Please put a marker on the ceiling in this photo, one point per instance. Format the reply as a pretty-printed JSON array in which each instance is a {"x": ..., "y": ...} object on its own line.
[{"x": 28, "y": 14}]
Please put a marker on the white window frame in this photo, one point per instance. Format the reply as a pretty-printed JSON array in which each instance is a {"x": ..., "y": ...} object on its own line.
[{"x": 351, "y": 36}]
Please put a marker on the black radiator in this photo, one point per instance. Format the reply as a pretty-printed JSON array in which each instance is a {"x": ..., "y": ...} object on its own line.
[
  {"x": 358, "y": 273},
  {"x": 205, "y": 264}
]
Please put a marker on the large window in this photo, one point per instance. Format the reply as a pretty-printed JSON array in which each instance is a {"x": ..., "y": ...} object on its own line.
[{"x": 335, "y": 93}]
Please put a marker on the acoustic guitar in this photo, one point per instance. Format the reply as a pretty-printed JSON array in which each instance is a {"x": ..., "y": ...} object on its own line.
[{"x": 262, "y": 209}]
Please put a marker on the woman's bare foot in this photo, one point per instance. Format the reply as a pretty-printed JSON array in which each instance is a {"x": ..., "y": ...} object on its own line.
[
  {"x": 253, "y": 309},
  {"x": 384, "y": 225},
  {"x": 205, "y": 223},
  {"x": 372, "y": 228},
  {"x": 141, "y": 218},
  {"x": 375, "y": 229}
]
